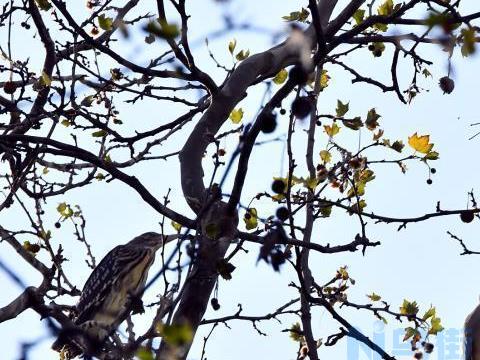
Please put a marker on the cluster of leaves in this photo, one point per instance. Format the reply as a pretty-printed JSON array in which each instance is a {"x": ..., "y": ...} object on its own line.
[{"x": 240, "y": 55}]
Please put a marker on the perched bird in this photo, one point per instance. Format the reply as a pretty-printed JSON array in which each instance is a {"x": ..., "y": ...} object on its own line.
[
  {"x": 113, "y": 290},
  {"x": 472, "y": 335}
]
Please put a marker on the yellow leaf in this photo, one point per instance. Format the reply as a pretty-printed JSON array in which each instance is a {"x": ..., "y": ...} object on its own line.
[
  {"x": 325, "y": 156},
  {"x": 177, "y": 335},
  {"x": 420, "y": 143},
  {"x": 250, "y": 219},
  {"x": 386, "y": 8},
  {"x": 231, "y": 45},
  {"x": 176, "y": 226},
  {"x": 296, "y": 332},
  {"x": 374, "y": 297},
  {"x": 46, "y": 79},
  {"x": 242, "y": 55},
  {"x": 280, "y": 77},
  {"x": 324, "y": 79},
  {"x": 105, "y": 23},
  {"x": 312, "y": 183},
  {"x": 436, "y": 326},
  {"x": 331, "y": 130},
  {"x": 236, "y": 115}
]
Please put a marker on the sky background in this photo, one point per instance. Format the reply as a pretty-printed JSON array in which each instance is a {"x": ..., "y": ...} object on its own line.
[{"x": 418, "y": 263}]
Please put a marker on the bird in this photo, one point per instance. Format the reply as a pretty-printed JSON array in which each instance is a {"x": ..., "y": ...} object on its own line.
[
  {"x": 112, "y": 291},
  {"x": 472, "y": 335}
]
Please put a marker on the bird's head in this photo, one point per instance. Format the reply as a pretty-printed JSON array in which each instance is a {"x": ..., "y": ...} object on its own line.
[{"x": 149, "y": 240}]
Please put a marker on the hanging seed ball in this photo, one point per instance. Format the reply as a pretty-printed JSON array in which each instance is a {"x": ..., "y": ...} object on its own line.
[
  {"x": 433, "y": 170},
  {"x": 9, "y": 87},
  {"x": 301, "y": 107},
  {"x": 268, "y": 123},
  {"x": 429, "y": 181},
  {"x": 467, "y": 216},
  {"x": 282, "y": 213},
  {"x": 428, "y": 347},
  {"x": 418, "y": 355},
  {"x": 446, "y": 84},
  {"x": 278, "y": 186},
  {"x": 215, "y": 304}
]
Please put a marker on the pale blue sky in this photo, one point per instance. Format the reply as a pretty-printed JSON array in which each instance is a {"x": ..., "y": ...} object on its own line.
[{"x": 420, "y": 263}]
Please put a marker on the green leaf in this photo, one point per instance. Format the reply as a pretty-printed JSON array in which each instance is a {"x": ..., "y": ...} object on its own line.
[
  {"x": 105, "y": 23},
  {"x": 236, "y": 115},
  {"x": 296, "y": 332},
  {"x": 45, "y": 171},
  {"x": 144, "y": 354},
  {"x": 61, "y": 207},
  {"x": 325, "y": 156},
  {"x": 45, "y": 235},
  {"x": 374, "y": 297},
  {"x": 358, "y": 16},
  {"x": 354, "y": 124},
  {"x": 87, "y": 101},
  {"x": 65, "y": 122},
  {"x": 358, "y": 206},
  {"x": 99, "y": 133},
  {"x": 43, "y": 4},
  {"x": 326, "y": 211},
  {"x": 469, "y": 40},
  {"x": 280, "y": 77},
  {"x": 212, "y": 230},
  {"x": 100, "y": 176},
  {"x": 64, "y": 210},
  {"x": 426, "y": 73},
  {"x": 242, "y": 55},
  {"x": 409, "y": 308},
  {"x": 342, "y": 108},
  {"x": 176, "y": 226},
  {"x": 176, "y": 334},
  {"x": 45, "y": 79},
  {"x": 231, "y": 45},
  {"x": 409, "y": 332},
  {"x": 372, "y": 118},
  {"x": 331, "y": 130},
  {"x": 386, "y": 8},
  {"x": 162, "y": 29},
  {"x": 324, "y": 78},
  {"x": 429, "y": 313},
  {"x": 311, "y": 183},
  {"x": 435, "y": 326},
  {"x": 301, "y": 15},
  {"x": 398, "y": 146},
  {"x": 381, "y": 27},
  {"x": 250, "y": 218},
  {"x": 432, "y": 155}
]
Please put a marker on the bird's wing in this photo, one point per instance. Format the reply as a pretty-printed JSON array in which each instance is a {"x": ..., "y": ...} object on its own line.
[
  {"x": 100, "y": 283},
  {"x": 472, "y": 335}
]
